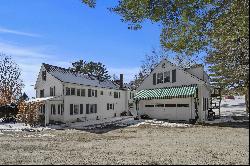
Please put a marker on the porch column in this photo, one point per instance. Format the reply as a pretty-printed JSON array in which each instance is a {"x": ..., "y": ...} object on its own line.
[
  {"x": 47, "y": 109},
  {"x": 200, "y": 107}
]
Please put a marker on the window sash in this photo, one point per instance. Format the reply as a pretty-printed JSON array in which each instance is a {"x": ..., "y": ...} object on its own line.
[
  {"x": 83, "y": 92},
  {"x": 167, "y": 76},
  {"x": 76, "y": 109},
  {"x": 159, "y": 78},
  {"x": 87, "y": 108},
  {"x": 42, "y": 93},
  {"x": 78, "y": 93},
  {"x": 81, "y": 108},
  {"x": 73, "y": 91},
  {"x": 67, "y": 91}
]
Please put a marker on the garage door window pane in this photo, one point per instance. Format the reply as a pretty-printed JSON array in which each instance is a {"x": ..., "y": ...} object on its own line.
[
  {"x": 170, "y": 105},
  {"x": 149, "y": 106},
  {"x": 182, "y": 105},
  {"x": 160, "y": 105}
]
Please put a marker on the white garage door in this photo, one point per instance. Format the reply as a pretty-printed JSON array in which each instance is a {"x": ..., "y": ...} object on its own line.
[
  {"x": 178, "y": 109},
  {"x": 183, "y": 112}
]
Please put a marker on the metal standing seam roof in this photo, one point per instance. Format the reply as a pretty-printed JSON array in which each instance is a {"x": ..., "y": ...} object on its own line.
[
  {"x": 65, "y": 75},
  {"x": 166, "y": 93}
]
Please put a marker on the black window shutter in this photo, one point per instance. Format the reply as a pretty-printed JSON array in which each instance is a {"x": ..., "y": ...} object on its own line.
[
  {"x": 59, "y": 109},
  {"x": 87, "y": 108},
  {"x": 89, "y": 92},
  {"x": 174, "y": 75},
  {"x": 81, "y": 108},
  {"x": 95, "y": 93},
  {"x": 95, "y": 108},
  {"x": 154, "y": 79},
  {"x": 108, "y": 106},
  {"x": 113, "y": 106},
  {"x": 71, "y": 109}
]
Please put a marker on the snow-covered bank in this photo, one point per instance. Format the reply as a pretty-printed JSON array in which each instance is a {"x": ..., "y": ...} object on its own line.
[{"x": 233, "y": 107}]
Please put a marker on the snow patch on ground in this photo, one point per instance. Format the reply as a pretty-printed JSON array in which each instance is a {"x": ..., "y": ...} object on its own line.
[
  {"x": 232, "y": 110},
  {"x": 17, "y": 127},
  {"x": 233, "y": 107},
  {"x": 155, "y": 122}
]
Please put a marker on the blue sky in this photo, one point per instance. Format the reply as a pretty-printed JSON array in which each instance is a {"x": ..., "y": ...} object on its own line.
[{"x": 60, "y": 32}]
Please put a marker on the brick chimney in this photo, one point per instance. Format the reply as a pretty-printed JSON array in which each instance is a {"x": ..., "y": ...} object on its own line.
[{"x": 121, "y": 81}]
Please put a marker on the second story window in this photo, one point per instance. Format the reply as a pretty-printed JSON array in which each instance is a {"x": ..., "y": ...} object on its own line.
[
  {"x": 73, "y": 91},
  {"x": 159, "y": 78},
  {"x": 42, "y": 93},
  {"x": 67, "y": 91},
  {"x": 78, "y": 92},
  {"x": 116, "y": 95},
  {"x": 92, "y": 92},
  {"x": 83, "y": 92},
  {"x": 44, "y": 75},
  {"x": 52, "y": 91},
  {"x": 166, "y": 76}
]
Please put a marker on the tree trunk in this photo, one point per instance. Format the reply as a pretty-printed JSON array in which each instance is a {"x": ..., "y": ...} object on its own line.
[{"x": 247, "y": 99}]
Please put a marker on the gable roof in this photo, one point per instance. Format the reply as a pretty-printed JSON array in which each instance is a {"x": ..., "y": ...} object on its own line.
[
  {"x": 67, "y": 76},
  {"x": 177, "y": 67}
]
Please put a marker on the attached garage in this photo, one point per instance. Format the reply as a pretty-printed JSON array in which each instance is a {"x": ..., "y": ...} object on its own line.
[{"x": 172, "y": 103}]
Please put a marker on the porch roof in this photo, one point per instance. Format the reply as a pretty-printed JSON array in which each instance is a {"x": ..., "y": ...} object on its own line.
[
  {"x": 39, "y": 99},
  {"x": 166, "y": 93}
]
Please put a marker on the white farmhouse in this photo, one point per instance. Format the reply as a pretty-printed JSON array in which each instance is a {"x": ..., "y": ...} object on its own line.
[
  {"x": 174, "y": 93},
  {"x": 70, "y": 96}
]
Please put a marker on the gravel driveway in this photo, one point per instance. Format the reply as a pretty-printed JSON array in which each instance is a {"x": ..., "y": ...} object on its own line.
[{"x": 130, "y": 145}]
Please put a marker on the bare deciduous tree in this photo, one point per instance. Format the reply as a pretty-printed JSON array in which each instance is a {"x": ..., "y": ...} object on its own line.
[
  {"x": 29, "y": 112},
  {"x": 10, "y": 82}
]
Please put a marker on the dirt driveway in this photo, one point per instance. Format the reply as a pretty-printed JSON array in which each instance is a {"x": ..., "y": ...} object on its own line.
[{"x": 130, "y": 145}]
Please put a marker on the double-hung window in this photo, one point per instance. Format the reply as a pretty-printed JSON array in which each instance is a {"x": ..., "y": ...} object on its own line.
[
  {"x": 159, "y": 78},
  {"x": 166, "y": 76}
]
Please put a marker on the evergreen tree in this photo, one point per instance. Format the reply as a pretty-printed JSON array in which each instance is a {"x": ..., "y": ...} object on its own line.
[
  {"x": 92, "y": 69},
  {"x": 229, "y": 59}
]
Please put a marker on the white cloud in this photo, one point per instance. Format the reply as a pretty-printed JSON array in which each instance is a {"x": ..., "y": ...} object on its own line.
[
  {"x": 20, "y": 51},
  {"x": 10, "y": 31},
  {"x": 29, "y": 59}
]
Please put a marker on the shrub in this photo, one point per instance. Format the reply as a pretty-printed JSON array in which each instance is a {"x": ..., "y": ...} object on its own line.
[
  {"x": 145, "y": 116},
  {"x": 124, "y": 113}
]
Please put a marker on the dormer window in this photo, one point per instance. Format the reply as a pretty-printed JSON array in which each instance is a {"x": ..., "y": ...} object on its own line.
[
  {"x": 44, "y": 75},
  {"x": 159, "y": 78},
  {"x": 166, "y": 76}
]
